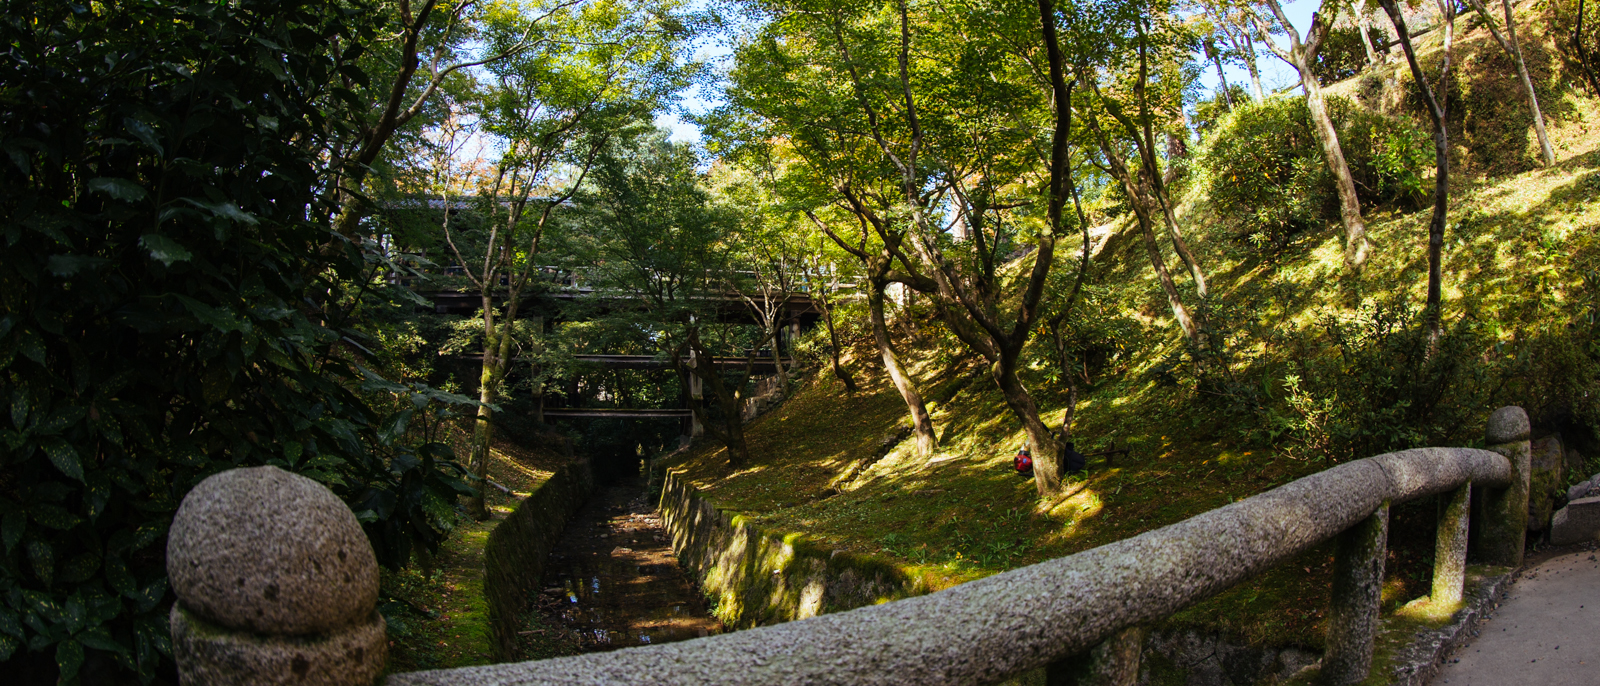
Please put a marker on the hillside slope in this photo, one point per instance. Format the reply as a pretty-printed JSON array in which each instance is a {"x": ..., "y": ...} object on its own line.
[{"x": 1520, "y": 250}]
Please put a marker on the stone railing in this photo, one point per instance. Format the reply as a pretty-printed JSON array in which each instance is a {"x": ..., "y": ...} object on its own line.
[{"x": 1079, "y": 615}]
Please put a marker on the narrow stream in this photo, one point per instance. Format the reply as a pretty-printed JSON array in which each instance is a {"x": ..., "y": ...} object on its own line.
[{"x": 613, "y": 581}]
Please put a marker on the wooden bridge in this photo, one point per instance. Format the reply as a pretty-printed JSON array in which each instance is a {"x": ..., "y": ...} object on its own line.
[{"x": 800, "y": 308}]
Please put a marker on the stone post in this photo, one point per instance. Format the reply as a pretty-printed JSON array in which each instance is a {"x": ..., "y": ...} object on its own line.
[
  {"x": 1450, "y": 548},
  {"x": 1357, "y": 593},
  {"x": 276, "y": 584},
  {"x": 1503, "y": 518},
  {"x": 1114, "y": 662}
]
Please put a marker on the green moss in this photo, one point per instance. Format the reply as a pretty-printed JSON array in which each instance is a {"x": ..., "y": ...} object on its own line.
[{"x": 440, "y": 617}]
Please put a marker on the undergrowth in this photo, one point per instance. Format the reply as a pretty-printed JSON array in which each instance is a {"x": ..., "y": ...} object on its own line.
[{"x": 436, "y": 610}]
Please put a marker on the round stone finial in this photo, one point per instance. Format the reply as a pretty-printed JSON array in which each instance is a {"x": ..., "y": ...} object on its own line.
[
  {"x": 1507, "y": 425},
  {"x": 267, "y": 551}
]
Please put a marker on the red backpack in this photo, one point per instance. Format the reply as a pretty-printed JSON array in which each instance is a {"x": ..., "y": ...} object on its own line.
[{"x": 1023, "y": 462}]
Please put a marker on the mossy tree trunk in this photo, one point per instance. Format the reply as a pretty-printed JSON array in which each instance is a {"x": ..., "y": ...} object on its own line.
[
  {"x": 1141, "y": 212},
  {"x": 878, "y": 267},
  {"x": 1142, "y": 134},
  {"x": 833, "y": 344}
]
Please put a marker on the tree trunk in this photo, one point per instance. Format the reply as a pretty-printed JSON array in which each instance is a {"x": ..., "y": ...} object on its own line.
[
  {"x": 1364, "y": 25},
  {"x": 1584, "y": 64},
  {"x": 921, "y": 423},
  {"x": 1356, "y": 247},
  {"x": 777, "y": 364},
  {"x": 1438, "y": 112},
  {"x": 1153, "y": 249},
  {"x": 496, "y": 351},
  {"x": 833, "y": 349},
  {"x": 1255, "y": 71},
  {"x": 1069, "y": 375},
  {"x": 1227, "y": 96},
  {"x": 1046, "y": 451},
  {"x": 1179, "y": 245},
  {"x": 1527, "y": 84},
  {"x": 1141, "y": 213},
  {"x": 1071, "y": 413}
]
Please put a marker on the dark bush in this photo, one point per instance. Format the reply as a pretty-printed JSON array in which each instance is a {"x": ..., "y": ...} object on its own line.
[{"x": 172, "y": 305}]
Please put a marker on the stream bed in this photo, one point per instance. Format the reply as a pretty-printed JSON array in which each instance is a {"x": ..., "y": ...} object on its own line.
[{"x": 612, "y": 580}]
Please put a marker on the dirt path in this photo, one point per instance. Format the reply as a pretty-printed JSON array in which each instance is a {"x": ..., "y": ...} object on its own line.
[{"x": 613, "y": 582}]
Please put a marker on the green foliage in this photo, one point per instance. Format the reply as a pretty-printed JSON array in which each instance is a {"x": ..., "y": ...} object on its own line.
[
  {"x": 1375, "y": 384},
  {"x": 1208, "y": 114},
  {"x": 173, "y": 307},
  {"x": 1269, "y": 180},
  {"x": 1342, "y": 55}
]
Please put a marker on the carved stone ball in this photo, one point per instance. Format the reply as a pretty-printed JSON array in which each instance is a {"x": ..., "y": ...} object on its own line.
[
  {"x": 266, "y": 551},
  {"x": 1506, "y": 425}
]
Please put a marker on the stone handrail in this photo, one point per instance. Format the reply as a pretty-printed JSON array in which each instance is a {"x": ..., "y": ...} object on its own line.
[
  {"x": 1063, "y": 612},
  {"x": 1078, "y": 614}
]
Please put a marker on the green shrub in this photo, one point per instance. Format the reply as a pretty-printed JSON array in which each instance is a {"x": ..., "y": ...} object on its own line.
[
  {"x": 1268, "y": 178},
  {"x": 1377, "y": 384},
  {"x": 1342, "y": 55}
]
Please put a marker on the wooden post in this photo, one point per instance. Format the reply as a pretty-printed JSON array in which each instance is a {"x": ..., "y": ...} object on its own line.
[
  {"x": 1114, "y": 662},
  {"x": 1450, "y": 549},
  {"x": 695, "y": 395},
  {"x": 1357, "y": 592}
]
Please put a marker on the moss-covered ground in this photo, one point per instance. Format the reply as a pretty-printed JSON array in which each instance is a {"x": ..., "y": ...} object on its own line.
[
  {"x": 437, "y": 613},
  {"x": 1519, "y": 242}
]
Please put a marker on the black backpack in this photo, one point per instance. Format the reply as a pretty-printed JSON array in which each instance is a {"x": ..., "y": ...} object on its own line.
[{"x": 1073, "y": 460}]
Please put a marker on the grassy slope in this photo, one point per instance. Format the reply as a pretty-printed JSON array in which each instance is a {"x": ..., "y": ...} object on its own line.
[
  {"x": 440, "y": 619},
  {"x": 1515, "y": 241}
]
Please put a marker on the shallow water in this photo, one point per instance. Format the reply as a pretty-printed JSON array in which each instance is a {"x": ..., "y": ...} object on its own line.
[{"x": 613, "y": 581}]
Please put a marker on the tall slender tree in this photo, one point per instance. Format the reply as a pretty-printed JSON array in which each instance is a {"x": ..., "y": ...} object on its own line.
[
  {"x": 1513, "y": 49},
  {"x": 552, "y": 112},
  {"x": 1302, "y": 55},
  {"x": 1438, "y": 112}
]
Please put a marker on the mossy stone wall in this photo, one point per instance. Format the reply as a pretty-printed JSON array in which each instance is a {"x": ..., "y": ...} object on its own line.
[
  {"x": 513, "y": 559},
  {"x": 757, "y": 577}
]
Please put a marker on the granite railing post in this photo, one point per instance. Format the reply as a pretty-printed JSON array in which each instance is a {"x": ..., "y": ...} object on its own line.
[
  {"x": 276, "y": 584},
  {"x": 1503, "y": 523},
  {"x": 1113, "y": 662},
  {"x": 1357, "y": 592},
  {"x": 1450, "y": 548}
]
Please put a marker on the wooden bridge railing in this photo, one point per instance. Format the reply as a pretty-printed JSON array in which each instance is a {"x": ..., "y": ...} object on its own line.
[{"x": 1057, "y": 613}]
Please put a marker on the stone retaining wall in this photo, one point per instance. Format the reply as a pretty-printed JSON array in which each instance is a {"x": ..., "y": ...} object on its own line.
[
  {"x": 514, "y": 557},
  {"x": 756, "y": 577}
]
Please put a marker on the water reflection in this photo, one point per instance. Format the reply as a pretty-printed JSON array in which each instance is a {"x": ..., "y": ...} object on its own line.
[{"x": 613, "y": 581}]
